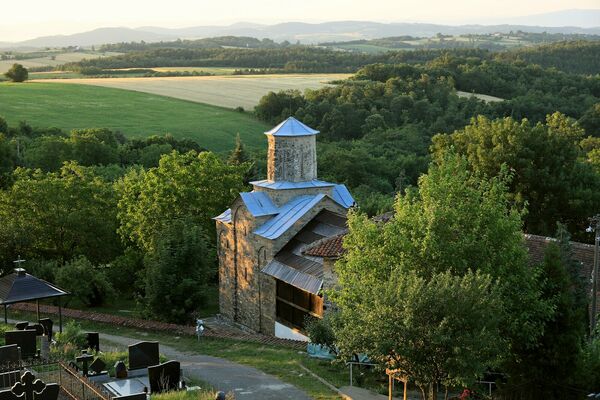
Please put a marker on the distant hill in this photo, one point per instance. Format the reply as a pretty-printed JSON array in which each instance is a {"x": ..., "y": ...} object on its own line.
[{"x": 322, "y": 32}]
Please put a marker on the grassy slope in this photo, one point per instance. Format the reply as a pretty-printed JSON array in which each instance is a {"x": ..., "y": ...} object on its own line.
[{"x": 135, "y": 114}]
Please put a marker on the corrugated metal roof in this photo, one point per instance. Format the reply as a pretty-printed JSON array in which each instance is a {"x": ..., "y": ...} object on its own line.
[
  {"x": 342, "y": 196},
  {"x": 292, "y": 127},
  {"x": 18, "y": 287},
  {"x": 289, "y": 213},
  {"x": 315, "y": 183},
  {"x": 225, "y": 217},
  {"x": 293, "y": 276},
  {"x": 259, "y": 203}
]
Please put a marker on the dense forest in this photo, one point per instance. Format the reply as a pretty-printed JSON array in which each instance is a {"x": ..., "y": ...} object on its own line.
[
  {"x": 579, "y": 57},
  {"x": 377, "y": 129}
]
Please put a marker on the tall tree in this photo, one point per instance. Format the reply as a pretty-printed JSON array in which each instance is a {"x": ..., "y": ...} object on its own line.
[
  {"x": 455, "y": 223},
  {"x": 178, "y": 272},
  {"x": 193, "y": 186},
  {"x": 17, "y": 73},
  {"x": 549, "y": 175}
]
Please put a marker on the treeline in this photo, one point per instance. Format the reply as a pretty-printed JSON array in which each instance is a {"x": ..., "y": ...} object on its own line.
[
  {"x": 214, "y": 42},
  {"x": 293, "y": 59},
  {"x": 579, "y": 57},
  {"x": 94, "y": 212},
  {"x": 377, "y": 129}
]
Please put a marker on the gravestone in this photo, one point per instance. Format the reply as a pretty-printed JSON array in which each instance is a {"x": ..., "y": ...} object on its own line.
[
  {"x": 143, "y": 355},
  {"x": 164, "y": 377},
  {"x": 26, "y": 340},
  {"x": 38, "y": 328},
  {"x": 21, "y": 325},
  {"x": 47, "y": 324},
  {"x": 93, "y": 341},
  {"x": 137, "y": 396},
  {"x": 10, "y": 354},
  {"x": 84, "y": 359},
  {"x": 97, "y": 366},
  {"x": 120, "y": 370}
]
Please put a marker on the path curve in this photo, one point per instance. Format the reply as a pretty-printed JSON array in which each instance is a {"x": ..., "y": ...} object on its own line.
[{"x": 246, "y": 382}]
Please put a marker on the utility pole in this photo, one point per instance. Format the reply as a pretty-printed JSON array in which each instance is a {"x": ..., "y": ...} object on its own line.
[{"x": 594, "y": 227}]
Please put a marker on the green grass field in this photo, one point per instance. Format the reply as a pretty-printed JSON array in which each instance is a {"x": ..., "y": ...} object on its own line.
[{"x": 135, "y": 114}]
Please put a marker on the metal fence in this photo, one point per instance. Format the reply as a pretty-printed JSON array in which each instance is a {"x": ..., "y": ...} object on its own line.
[{"x": 72, "y": 384}]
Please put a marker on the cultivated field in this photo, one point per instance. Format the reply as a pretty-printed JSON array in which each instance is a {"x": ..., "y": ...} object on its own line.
[
  {"x": 52, "y": 59},
  {"x": 223, "y": 91},
  {"x": 135, "y": 114}
]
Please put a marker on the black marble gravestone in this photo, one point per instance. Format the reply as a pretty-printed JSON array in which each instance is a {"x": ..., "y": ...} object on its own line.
[
  {"x": 93, "y": 341},
  {"x": 143, "y": 354},
  {"x": 137, "y": 396},
  {"x": 84, "y": 359},
  {"x": 38, "y": 328},
  {"x": 97, "y": 366},
  {"x": 164, "y": 377},
  {"x": 21, "y": 325},
  {"x": 10, "y": 354},
  {"x": 26, "y": 340},
  {"x": 47, "y": 324}
]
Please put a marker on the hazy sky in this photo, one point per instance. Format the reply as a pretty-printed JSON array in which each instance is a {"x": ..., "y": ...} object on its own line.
[{"x": 24, "y": 20}]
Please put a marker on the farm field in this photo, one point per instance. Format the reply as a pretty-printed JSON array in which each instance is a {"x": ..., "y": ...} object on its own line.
[
  {"x": 224, "y": 91},
  {"x": 52, "y": 59},
  {"x": 135, "y": 114}
]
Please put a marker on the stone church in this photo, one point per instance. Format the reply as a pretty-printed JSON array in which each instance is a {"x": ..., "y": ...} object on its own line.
[{"x": 267, "y": 283}]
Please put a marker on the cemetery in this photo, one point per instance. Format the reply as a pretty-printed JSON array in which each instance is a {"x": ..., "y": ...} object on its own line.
[{"x": 38, "y": 364}]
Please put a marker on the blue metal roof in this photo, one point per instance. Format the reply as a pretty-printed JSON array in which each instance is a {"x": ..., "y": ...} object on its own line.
[
  {"x": 225, "y": 217},
  {"x": 291, "y": 127},
  {"x": 342, "y": 196},
  {"x": 293, "y": 276},
  {"x": 259, "y": 203},
  {"x": 288, "y": 215},
  {"x": 291, "y": 185}
]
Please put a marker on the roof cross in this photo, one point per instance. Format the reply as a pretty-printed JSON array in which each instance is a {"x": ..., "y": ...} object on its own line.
[{"x": 19, "y": 261}]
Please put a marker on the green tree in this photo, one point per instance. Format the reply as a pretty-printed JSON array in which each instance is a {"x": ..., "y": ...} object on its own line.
[
  {"x": 549, "y": 368},
  {"x": 590, "y": 120},
  {"x": 59, "y": 215},
  {"x": 456, "y": 222},
  {"x": 440, "y": 330},
  {"x": 178, "y": 272},
  {"x": 549, "y": 175},
  {"x": 87, "y": 283},
  {"x": 17, "y": 73},
  {"x": 191, "y": 185}
]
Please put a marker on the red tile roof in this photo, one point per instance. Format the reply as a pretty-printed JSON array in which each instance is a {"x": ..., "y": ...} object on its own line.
[{"x": 330, "y": 247}]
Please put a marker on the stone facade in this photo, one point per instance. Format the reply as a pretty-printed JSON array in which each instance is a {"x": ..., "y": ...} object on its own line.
[{"x": 248, "y": 296}]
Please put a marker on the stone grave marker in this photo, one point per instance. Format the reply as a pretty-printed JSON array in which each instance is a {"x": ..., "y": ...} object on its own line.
[
  {"x": 26, "y": 340},
  {"x": 10, "y": 354},
  {"x": 143, "y": 355},
  {"x": 93, "y": 341},
  {"x": 97, "y": 366},
  {"x": 164, "y": 377},
  {"x": 47, "y": 324},
  {"x": 29, "y": 388}
]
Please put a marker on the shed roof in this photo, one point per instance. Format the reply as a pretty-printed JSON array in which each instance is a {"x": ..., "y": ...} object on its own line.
[
  {"x": 292, "y": 127},
  {"x": 20, "y": 286}
]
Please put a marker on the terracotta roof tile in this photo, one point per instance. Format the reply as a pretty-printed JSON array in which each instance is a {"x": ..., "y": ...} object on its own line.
[{"x": 330, "y": 247}]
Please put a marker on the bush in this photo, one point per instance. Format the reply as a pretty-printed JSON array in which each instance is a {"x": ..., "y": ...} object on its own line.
[
  {"x": 87, "y": 284},
  {"x": 321, "y": 332},
  {"x": 70, "y": 342},
  {"x": 17, "y": 73},
  {"x": 178, "y": 272}
]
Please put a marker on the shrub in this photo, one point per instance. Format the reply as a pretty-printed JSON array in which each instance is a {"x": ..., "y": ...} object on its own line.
[
  {"x": 17, "y": 73},
  {"x": 87, "y": 284}
]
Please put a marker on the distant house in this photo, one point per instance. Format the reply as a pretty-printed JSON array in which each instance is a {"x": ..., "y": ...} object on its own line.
[{"x": 266, "y": 282}]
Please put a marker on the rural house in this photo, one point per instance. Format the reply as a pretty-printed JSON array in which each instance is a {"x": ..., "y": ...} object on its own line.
[{"x": 266, "y": 282}]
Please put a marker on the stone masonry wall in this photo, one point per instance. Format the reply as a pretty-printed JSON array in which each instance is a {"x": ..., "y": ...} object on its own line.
[{"x": 292, "y": 158}]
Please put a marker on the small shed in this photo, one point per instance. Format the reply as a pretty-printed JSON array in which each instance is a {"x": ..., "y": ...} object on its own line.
[{"x": 20, "y": 287}]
